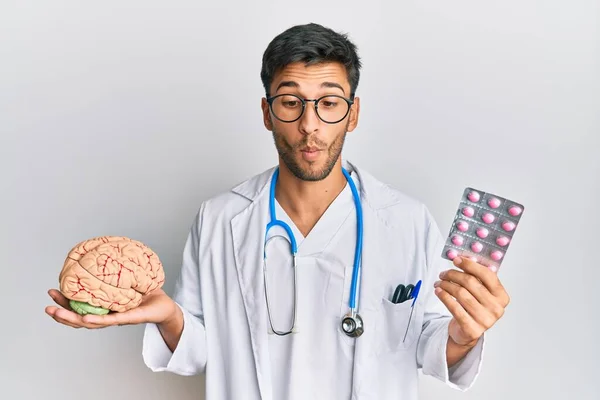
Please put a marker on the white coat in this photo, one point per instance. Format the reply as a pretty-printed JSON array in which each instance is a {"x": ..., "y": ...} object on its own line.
[{"x": 226, "y": 329}]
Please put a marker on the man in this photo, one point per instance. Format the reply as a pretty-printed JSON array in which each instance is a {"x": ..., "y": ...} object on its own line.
[{"x": 225, "y": 313}]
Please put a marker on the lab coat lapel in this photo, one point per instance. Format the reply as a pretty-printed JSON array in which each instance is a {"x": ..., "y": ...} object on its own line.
[
  {"x": 248, "y": 231},
  {"x": 364, "y": 350},
  {"x": 374, "y": 197}
]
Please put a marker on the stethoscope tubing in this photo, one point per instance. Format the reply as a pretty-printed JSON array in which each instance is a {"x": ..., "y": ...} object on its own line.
[{"x": 356, "y": 271}]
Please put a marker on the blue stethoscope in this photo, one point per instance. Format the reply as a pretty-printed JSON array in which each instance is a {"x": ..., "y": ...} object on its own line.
[{"x": 352, "y": 323}]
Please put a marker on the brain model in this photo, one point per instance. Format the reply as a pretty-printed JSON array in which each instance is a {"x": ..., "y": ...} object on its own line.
[{"x": 109, "y": 273}]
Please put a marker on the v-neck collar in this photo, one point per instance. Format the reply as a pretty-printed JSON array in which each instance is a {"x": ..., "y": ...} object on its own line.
[{"x": 327, "y": 226}]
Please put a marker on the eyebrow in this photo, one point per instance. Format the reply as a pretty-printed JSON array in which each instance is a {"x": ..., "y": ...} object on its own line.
[{"x": 323, "y": 85}]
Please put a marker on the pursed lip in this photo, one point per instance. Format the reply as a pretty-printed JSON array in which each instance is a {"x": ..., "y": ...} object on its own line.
[{"x": 310, "y": 149}]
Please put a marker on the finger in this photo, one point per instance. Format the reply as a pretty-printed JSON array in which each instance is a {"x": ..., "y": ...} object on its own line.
[
  {"x": 479, "y": 313},
  {"x": 74, "y": 319},
  {"x": 110, "y": 319},
  {"x": 59, "y": 298},
  {"x": 69, "y": 318},
  {"x": 466, "y": 322},
  {"x": 489, "y": 278},
  {"x": 52, "y": 312},
  {"x": 472, "y": 284},
  {"x": 67, "y": 323},
  {"x": 130, "y": 317},
  {"x": 481, "y": 272},
  {"x": 64, "y": 321}
]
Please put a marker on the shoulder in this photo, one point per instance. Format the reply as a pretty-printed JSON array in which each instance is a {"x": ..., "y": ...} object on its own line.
[
  {"x": 404, "y": 218},
  {"x": 225, "y": 205},
  {"x": 392, "y": 204}
]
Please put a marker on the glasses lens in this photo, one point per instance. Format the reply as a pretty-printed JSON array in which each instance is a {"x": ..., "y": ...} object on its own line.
[
  {"x": 287, "y": 107},
  {"x": 332, "y": 108}
]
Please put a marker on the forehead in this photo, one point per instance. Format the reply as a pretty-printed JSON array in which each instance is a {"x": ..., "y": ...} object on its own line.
[{"x": 311, "y": 77}]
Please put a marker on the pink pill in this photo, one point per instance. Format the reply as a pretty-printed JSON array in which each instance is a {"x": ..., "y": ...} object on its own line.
[
  {"x": 474, "y": 259},
  {"x": 482, "y": 232},
  {"x": 458, "y": 240},
  {"x": 488, "y": 218},
  {"x": 494, "y": 202},
  {"x": 476, "y": 247},
  {"x": 496, "y": 255},
  {"x": 508, "y": 226},
  {"x": 451, "y": 254},
  {"x": 502, "y": 241},
  {"x": 462, "y": 226},
  {"x": 515, "y": 210},
  {"x": 473, "y": 196},
  {"x": 468, "y": 211}
]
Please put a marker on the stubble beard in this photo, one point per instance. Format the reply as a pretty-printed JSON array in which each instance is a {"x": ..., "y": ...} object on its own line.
[{"x": 288, "y": 154}]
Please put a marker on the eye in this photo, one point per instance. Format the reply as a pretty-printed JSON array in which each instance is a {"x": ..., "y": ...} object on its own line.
[
  {"x": 329, "y": 102},
  {"x": 290, "y": 101}
]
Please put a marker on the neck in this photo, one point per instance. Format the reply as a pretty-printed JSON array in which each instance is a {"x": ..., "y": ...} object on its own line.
[{"x": 305, "y": 202}]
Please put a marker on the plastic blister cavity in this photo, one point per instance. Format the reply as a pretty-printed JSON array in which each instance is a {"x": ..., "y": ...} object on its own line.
[{"x": 483, "y": 228}]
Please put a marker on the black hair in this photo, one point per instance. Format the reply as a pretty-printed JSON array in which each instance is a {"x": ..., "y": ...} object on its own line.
[{"x": 312, "y": 44}]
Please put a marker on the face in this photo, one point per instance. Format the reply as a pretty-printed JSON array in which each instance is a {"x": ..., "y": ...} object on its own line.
[{"x": 310, "y": 147}]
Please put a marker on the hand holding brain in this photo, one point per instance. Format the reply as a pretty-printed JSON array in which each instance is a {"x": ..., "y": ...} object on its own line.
[{"x": 109, "y": 273}]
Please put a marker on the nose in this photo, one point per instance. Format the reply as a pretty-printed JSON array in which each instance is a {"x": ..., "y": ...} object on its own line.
[{"x": 309, "y": 122}]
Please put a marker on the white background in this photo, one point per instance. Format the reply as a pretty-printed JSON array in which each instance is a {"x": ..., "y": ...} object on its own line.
[{"x": 119, "y": 118}]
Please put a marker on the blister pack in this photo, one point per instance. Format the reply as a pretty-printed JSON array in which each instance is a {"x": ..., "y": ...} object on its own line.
[{"x": 483, "y": 228}]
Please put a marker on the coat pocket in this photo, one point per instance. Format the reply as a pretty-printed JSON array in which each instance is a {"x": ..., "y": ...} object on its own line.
[{"x": 398, "y": 327}]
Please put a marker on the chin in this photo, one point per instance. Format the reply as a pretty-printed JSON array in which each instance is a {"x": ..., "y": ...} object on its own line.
[{"x": 310, "y": 170}]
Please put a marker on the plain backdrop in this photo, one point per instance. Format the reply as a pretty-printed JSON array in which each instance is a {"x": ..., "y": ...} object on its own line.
[{"x": 119, "y": 118}]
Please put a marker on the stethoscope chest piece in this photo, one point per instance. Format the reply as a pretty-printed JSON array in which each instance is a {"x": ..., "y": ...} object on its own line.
[{"x": 352, "y": 325}]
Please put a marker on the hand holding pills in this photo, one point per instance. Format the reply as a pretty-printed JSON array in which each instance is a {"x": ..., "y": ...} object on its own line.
[
  {"x": 483, "y": 228},
  {"x": 474, "y": 296}
]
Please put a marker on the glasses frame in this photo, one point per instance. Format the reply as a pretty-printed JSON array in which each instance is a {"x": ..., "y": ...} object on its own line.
[{"x": 350, "y": 102}]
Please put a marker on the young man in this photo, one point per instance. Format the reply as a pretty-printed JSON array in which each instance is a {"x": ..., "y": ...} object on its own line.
[{"x": 264, "y": 323}]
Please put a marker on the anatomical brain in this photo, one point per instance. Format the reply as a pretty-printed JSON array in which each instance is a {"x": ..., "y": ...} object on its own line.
[{"x": 109, "y": 273}]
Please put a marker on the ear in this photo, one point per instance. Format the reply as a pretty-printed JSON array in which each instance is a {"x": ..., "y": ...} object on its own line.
[
  {"x": 354, "y": 111},
  {"x": 266, "y": 114}
]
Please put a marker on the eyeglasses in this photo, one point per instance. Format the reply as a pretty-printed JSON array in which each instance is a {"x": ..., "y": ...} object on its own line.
[{"x": 330, "y": 109}]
